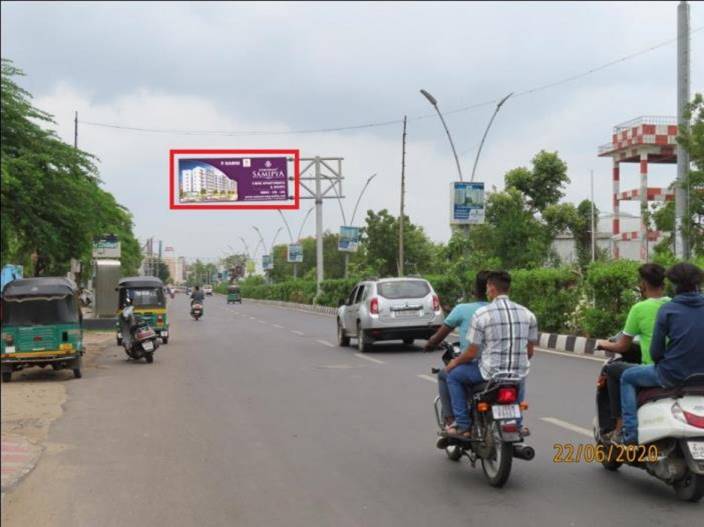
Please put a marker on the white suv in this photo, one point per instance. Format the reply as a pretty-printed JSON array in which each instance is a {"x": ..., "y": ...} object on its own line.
[{"x": 388, "y": 309}]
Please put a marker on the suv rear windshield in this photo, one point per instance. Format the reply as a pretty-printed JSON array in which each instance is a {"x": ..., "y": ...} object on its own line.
[{"x": 403, "y": 289}]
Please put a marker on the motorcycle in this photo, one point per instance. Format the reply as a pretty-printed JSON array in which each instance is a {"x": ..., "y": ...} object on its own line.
[
  {"x": 196, "y": 310},
  {"x": 138, "y": 339},
  {"x": 496, "y": 436},
  {"x": 670, "y": 432}
]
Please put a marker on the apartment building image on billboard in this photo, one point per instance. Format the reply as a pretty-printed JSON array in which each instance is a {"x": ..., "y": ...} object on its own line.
[{"x": 203, "y": 182}]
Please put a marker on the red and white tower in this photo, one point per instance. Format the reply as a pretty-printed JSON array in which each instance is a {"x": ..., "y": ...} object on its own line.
[{"x": 642, "y": 140}]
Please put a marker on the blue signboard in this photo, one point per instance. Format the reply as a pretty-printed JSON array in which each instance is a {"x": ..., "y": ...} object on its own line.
[
  {"x": 349, "y": 239},
  {"x": 466, "y": 202},
  {"x": 295, "y": 253},
  {"x": 267, "y": 262}
]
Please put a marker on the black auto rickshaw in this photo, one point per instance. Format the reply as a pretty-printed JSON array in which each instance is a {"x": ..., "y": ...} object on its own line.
[
  {"x": 147, "y": 297},
  {"x": 233, "y": 294},
  {"x": 41, "y": 325}
]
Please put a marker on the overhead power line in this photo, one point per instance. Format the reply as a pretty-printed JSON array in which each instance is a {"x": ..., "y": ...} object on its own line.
[{"x": 378, "y": 124}]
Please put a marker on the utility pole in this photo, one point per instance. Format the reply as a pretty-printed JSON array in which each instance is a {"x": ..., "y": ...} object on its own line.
[
  {"x": 403, "y": 193},
  {"x": 75, "y": 130},
  {"x": 681, "y": 188},
  {"x": 591, "y": 186},
  {"x": 318, "y": 227}
]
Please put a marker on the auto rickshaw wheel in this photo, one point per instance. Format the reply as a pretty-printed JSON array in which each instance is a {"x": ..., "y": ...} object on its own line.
[
  {"x": 77, "y": 373},
  {"x": 6, "y": 376}
]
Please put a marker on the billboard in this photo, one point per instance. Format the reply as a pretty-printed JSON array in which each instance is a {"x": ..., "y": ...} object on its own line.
[
  {"x": 250, "y": 267},
  {"x": 267, "y": 262},
  {"x": 234, "y": 179},
  {"x": 349, "y": 239},
  {"x": 106, "y": 247},
  {"x": 295, "y": 253},
  {"x": 466, "y": 203}
]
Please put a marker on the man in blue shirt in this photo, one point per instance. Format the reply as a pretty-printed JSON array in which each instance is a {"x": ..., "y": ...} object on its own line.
[{"x": 460, "y": 317}]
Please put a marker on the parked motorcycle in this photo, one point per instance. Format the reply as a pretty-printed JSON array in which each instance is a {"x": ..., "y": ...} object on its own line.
[
  {"x": 496, "y": 436},
  {"x": 196, "y": 310},
  {"x": 670, "y": 431},
  {"x": 138, "y": 339}
]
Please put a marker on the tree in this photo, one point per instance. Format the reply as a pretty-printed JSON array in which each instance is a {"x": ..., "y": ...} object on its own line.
[
  {"x": 543, "y": 185},
  {"x": 162, "y": 272},
  {"x": 51, "y": 204},
  {"x": 577, "y": 220},
  {"x": 664, "y": 216}
]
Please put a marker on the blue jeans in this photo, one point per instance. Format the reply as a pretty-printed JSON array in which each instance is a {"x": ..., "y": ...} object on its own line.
[
  {"x": 632, "y": 378},
  {"x": 443, "y": 390},
  {"x": 457, "y": 384}
]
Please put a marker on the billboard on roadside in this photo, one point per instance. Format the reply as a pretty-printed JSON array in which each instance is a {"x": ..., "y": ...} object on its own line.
[
  {"x": 295, "y": 253},
  {"x": 349, "y": 239},
  {"x": 466, "y": 202},
  {"x": 234, "y": 179},
  {"x": 267, "y": 262}
]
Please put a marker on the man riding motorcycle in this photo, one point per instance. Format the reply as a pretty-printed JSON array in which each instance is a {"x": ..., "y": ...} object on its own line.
[
  {"x": 676, "y": 346},
  {"x": 505, "y": 333},
  {"x": 197, "y": 297}
]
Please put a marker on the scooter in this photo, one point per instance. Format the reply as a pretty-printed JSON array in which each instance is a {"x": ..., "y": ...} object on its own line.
[
  {"x": 196, "y": 310},
  {"x": 670, "y": 431},
  {"x": 496, "y": 437},
  {"x": 138, "y": 339}
]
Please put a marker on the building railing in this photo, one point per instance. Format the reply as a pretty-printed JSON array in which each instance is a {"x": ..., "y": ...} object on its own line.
[{"x": 646, "y": 119}]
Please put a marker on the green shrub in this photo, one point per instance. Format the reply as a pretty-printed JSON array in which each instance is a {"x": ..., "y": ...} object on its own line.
[{"x": 550, "y": 293}]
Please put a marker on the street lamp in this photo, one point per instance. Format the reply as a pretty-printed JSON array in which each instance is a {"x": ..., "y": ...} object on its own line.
[
  {"x": 432, "y": 100},
  {"x": 369, "y": 180},
  {"x": 479, "y": 151}
]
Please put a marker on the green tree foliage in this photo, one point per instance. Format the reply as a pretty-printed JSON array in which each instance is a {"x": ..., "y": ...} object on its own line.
[
  {"x": 543, "y": 184},
  {"x": 162, "y": 272},
  {"x": 200, "y": 273},
  {"x": 565, "y": 217},
  {"x": 693, "y": 141},
  {"x": 51, "y": 204}
]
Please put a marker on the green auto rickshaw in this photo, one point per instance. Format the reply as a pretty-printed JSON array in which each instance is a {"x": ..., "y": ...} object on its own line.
[
  {"x": 233, "y": 294},
  {"x": 41, "y": 325},
  {"x": 148, "y": 299}
]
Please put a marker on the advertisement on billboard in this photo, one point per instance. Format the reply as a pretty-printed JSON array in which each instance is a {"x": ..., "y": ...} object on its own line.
[
  {"x": 106, "y": 247},
  {"x": 466, "y": 203},
  {"x": 295, "y": 253},
  {"x": 234, "y": 179},
  {"x": 349, "y": 239},
  {"x": 267, "y": 262}
]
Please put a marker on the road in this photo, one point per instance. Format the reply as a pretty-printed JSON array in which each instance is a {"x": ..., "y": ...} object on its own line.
[{"x": 253, "y": 417}]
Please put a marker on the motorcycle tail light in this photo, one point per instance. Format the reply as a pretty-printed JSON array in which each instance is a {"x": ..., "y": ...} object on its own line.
[
  {"x": 436, "y": 303},
  {"x": 510, "y": 427},
  {"x": 374, "y": 306},
  {"x": 687, "y": 417},
  {"x": 506, "y": 395}
]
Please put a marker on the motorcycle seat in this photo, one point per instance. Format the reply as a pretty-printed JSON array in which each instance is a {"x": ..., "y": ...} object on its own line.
[{"x": 657, "y": 393}]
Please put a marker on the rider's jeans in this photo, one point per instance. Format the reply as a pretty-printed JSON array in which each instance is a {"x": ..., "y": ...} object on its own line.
[
  {"x": 464, "y": 374},
  {"x": 632, "y": 378}
]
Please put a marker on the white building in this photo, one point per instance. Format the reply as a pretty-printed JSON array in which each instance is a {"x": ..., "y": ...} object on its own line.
[{"x": 206, "y": 178}]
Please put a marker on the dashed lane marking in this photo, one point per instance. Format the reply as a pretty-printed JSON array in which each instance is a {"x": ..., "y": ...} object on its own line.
[
  {"x": 325, "y": 343},
  {"x": 278, "y": 326},
  {"x": 567, "y": 426},
  {"x": 296, "y": 332},
  {"x": 427, "y": 378},
  {"x": 370, "y": 359}
]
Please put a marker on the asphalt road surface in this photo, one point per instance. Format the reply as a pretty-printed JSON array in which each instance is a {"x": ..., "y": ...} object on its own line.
[{"x": 254, "y": 417}]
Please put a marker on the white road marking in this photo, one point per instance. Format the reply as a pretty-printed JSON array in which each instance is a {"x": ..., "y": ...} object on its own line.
[
  {"x": 261, "y": 321},
  {"x": 569, "y": 354},
  {"x": 277, "y": 326},
  {"x": 427, "y": 378},
  {"x": 295, "y": 331},
  {"x": 377, "y": 361},
  {"x": 567, "y": 426},
  {"x": 326, "y": 343}
]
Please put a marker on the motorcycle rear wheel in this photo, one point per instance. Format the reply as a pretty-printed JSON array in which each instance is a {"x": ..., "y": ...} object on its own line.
[
  {"x": 149, "y": 357},
  {"x": 498, "y": 470},
  {"x": 690, "y": 488}
]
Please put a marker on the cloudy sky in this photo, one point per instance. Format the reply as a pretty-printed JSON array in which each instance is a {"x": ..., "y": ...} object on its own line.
[{"x": 302, "y": 66}]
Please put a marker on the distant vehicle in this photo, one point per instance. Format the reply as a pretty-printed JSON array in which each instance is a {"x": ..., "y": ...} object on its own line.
[
  {"x": 208, "y": 289},
  {"x": 388, "y": 309}
]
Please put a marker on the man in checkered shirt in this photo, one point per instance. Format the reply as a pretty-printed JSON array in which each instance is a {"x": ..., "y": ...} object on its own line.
[{"x": 504, "y": 333}]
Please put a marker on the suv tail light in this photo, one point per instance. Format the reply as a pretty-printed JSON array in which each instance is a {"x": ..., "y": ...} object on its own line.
[
  {"x": 506, "y": 395},
  {"x": 374, "y": 306},
  {"x": 436, "y": 303}
]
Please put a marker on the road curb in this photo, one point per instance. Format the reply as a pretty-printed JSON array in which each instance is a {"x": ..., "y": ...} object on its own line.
[{"x": 18, "y": 457}]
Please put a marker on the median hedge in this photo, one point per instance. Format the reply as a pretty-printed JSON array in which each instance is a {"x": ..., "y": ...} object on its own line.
[{"x": 565, "y": 300}]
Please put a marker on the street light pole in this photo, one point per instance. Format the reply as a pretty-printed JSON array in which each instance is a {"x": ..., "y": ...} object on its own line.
[
  {"x": 432, "y": 100},
  {"x": 479, "y": 151}
]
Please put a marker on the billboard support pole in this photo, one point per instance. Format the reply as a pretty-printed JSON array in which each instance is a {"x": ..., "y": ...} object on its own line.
[
  {"x": 318, "y": 229},
  {"x": 403, "y": 191}
]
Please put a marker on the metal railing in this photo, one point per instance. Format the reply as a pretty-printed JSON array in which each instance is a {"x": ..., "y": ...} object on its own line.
[{"x": 646, "y": 119}]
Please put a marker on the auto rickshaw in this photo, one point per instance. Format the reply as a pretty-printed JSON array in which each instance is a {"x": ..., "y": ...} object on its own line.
[
  {"x": 41, "y": 325},
  {"x": 146, "y": 294},
  {"x": 233, "y": 294}
]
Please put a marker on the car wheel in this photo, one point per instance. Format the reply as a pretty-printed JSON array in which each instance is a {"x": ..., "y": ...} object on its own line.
[
  {"x": 77, "y": 373},
  {"x": 363, "y": 344},
  {"x": 342, "y": 339}
]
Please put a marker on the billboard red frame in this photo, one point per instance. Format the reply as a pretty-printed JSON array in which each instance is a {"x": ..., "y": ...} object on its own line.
[{"x": 296, "y": 178}]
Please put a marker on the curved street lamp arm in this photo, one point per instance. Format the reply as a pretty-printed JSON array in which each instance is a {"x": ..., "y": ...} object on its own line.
[
  {"x": 354, "y": 212},
  {"x": 304, "y": 222},
  {"x": 432, "y": 100},
  {"x": 274, "y": 240},
  {"x": 479, "y": 151},
  {"x": 339, "y": 198},
  {"x": 288, "y": 228}
]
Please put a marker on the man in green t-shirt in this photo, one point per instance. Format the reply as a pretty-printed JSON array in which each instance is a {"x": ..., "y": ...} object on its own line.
[{"x": 640, "y": 323}]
